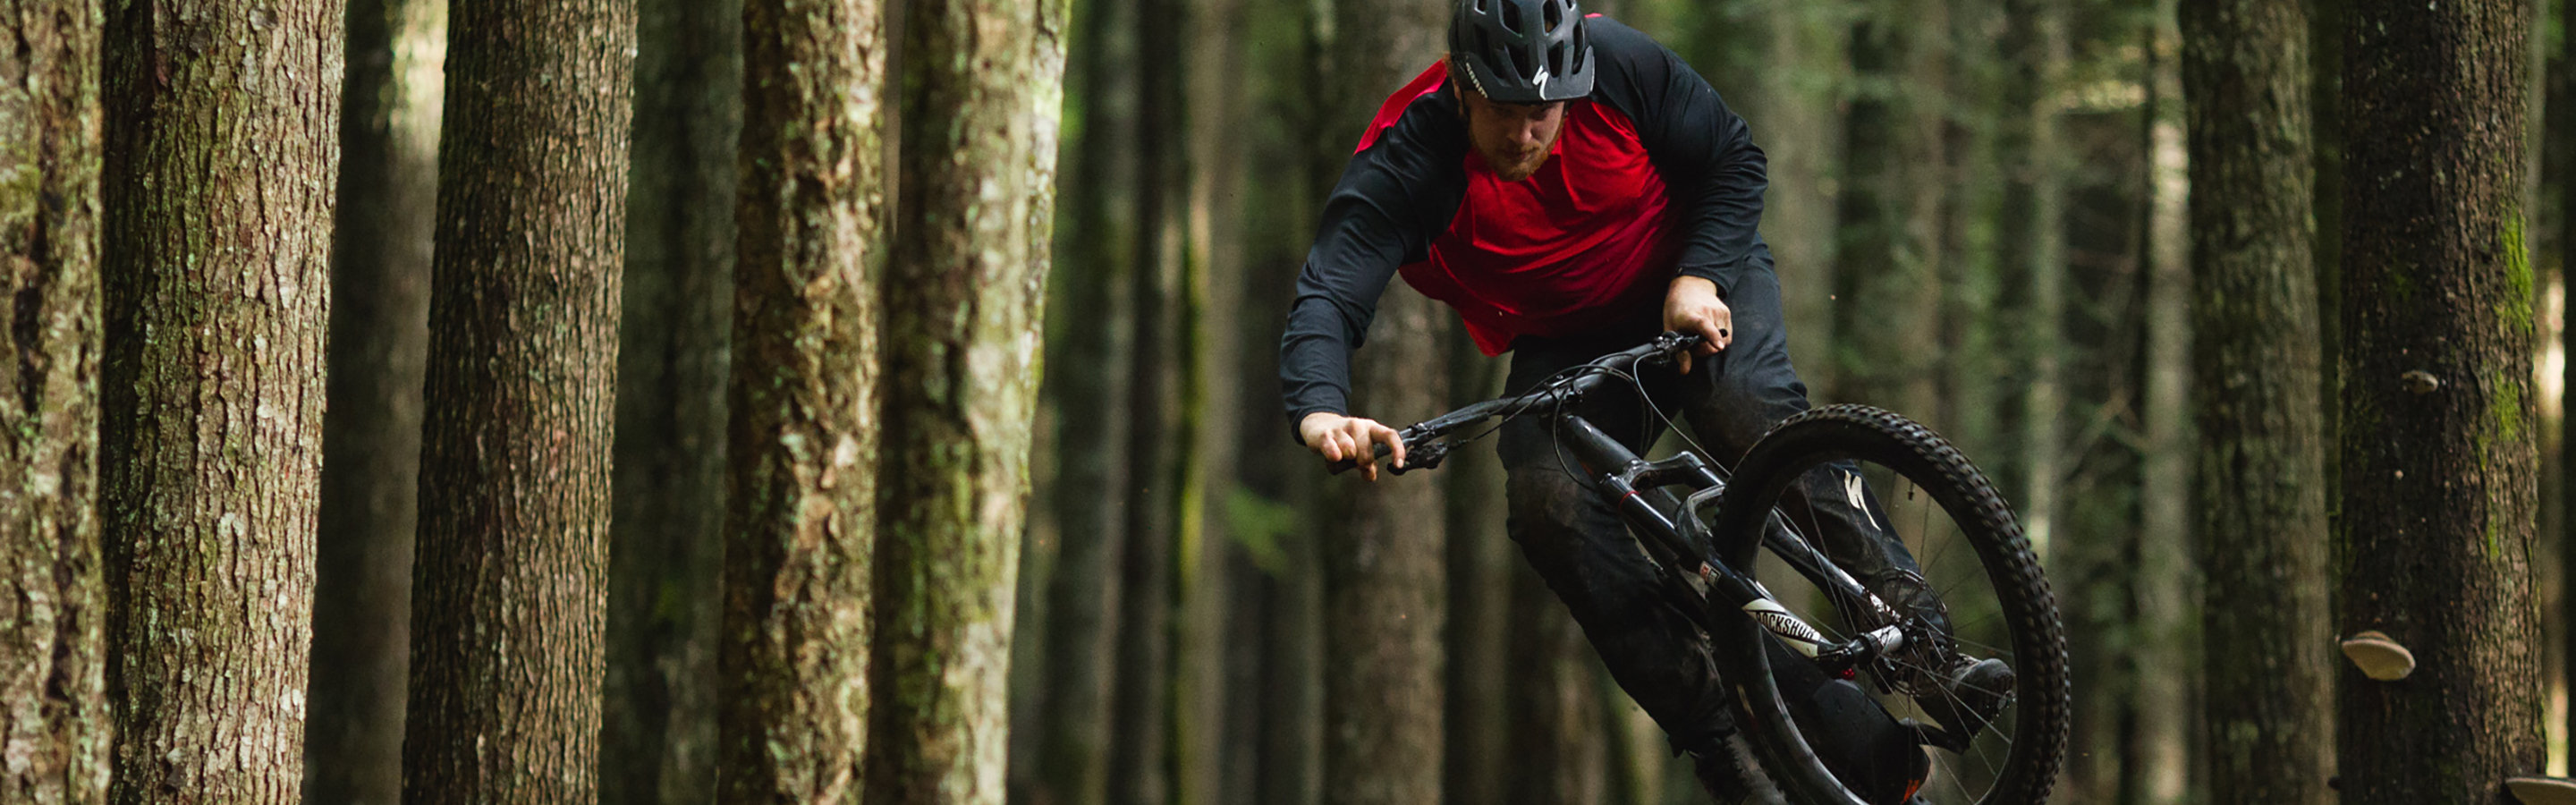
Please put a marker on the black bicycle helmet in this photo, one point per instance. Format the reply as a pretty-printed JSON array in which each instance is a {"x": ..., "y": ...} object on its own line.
[{"x": 1522, "y": 51}]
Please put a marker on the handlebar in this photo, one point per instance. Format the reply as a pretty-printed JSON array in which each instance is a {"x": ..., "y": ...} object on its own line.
[{"x": 1425, "y": 447}]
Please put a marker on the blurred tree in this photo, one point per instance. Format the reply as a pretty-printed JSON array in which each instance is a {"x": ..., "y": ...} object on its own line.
[
  {"x": 511, "y": 581},
  {"x": 1083, "y": 592},
  {"x": 668, "y": 501},
  {"x": 221, "y": 154},
  {"x": 2160, "y": 756},
  {"x": 53, "y": 607},
  {"x": 1162, "y": 436},
  {"x": 982, "y": 82},
  {"x": 801, "y": 522},
  {"x": 2262, "y": 526},
  {"x": 2043, "y": 249},
  {"x": 379, "y": 338},
  {"x": 2438, "y": 454},
  {"x": 1554, "y": 703},
  {"x": 1382, "y": 544},
  {"x": 1476, "y": 723},
  {"x": 1895, "y": 195}
]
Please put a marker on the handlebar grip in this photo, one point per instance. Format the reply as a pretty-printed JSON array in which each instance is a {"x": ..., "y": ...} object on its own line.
[{"x": 1349, "y": 464}]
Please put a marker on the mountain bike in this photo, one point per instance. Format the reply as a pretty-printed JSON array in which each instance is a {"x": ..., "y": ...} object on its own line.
[{"x": 1730, "y": 555}]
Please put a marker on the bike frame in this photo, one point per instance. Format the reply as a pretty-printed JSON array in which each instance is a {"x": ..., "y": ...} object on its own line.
[{"x": 1639, "y": 492}]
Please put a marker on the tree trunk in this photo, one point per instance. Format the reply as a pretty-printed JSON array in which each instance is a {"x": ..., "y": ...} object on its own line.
[
  {"x": 801, "y": 524},
  {"x": 371, "y": 434},
  {"x": 2438, "y": 453},
  {"x": 2044, "y": 273},
  {"x": 1892, "y": 208},
  {"x": 2262, "y": 530},
  {"x": 1214, "y": 103},
  {"x": 1083, "y": 602},
  {"x": 1554, "y": 704},
  {"x": 222, "y": 154},
  {"x": 668, "y": 503},
  {"x": 1382, "y": 544},
  {"x": 1475, "y": 719},
  {"x": 1160, "y": 433},
  {"x": 2562, "y": 140},
  {"x": 53, "y": 606},
  {"x": 982, "y": 83},
  {"x": 510, "y": 587},
  {"x": 2165, "y": 601}
]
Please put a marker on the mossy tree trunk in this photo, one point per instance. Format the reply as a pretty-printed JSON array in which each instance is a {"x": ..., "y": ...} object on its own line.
[
  {"x": 380, "y": 255},
  {"x": 510, "y": 582},
  {"x": 2262, "y": 526},
  {"x": 1160, "y": 434},
  {"x": 53, "y": 606},
  {"x": 1382, "y": 544},
  {"x": 982, "y": 86},
  {"x": 668, "y": 505},
  {"x": 222, "y": 125},
  {"x": 2438, "y": 423},
  {"x": 801, "y": 526}
]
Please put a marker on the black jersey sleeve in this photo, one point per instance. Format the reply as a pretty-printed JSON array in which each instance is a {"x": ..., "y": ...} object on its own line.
[
  {"x": 1703, "y": 150},
  {"x": 1391, "y": 200}
]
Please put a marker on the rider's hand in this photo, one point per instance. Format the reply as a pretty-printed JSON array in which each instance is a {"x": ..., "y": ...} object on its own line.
[
  {"x": 1337, "y": 437},
  {"x": 1691, "y": 307}
]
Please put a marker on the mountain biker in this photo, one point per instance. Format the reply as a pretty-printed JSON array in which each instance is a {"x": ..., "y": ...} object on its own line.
[{"x": 1571, "y": 188}]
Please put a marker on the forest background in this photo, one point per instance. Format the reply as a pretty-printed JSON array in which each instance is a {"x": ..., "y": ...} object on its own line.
[{"x": 1981, "y": 210}]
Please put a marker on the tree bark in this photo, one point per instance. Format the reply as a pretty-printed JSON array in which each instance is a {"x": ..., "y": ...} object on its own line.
[
  {"x": 1160, "y": 432},
  {"x": 53, "y": 605},
  {"x": 510, "y": 586},
  {"x": 982, "y": 83},
  {"x": 801, "y": 525},
  {"x": 668, "y": 501},
  {"x": 2561, "y": 137},
  {"x": 371, "y": 434},
  {"x": 2165, "y": 602},
  {"x": 222, "y": 154},
  {"x": 1382, "y": 544},
  {"x": 2438, "y": 453},
  {"x": 2262, "y": 530}
]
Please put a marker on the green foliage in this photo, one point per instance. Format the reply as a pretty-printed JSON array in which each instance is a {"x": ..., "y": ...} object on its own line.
[{"x": 1261, "y": 526}]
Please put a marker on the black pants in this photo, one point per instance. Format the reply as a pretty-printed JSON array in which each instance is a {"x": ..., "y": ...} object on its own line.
[{"x": 1579, "y": 546}]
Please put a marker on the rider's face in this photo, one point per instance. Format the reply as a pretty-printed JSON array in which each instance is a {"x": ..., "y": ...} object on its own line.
[{"x": 1512, "y": 137}]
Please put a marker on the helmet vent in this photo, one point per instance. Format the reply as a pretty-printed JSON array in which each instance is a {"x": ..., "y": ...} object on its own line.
[
  {"x": 1556, "y": 60},
  {"x": 1555, "y": 15},
  {"x": 1521, "y": 62},
  {"x": 1511, "y": 16}
]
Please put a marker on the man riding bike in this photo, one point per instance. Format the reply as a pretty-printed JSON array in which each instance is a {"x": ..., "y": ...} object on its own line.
[{"x": 1571, "y": 188}]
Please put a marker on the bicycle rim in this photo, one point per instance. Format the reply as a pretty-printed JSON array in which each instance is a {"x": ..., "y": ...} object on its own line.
[{"x": 1971, "y": 552}]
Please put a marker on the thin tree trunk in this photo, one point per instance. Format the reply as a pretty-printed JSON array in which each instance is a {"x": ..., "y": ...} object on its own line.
[
  {"x": 1556, "y": 745},
  {"x": 2438, "y": 453},
  {"x": 963, "y": 299},
  {"x": 371, "y": 434},
  {"x": 1976, "y": 335},
  {"x": 511, "y": 582},
  {"x": 1476, "y": 722},
  {"x": 1892, "y": 207},
  {"x": 1090, "y": 462},
  {"x": 2165, "y": 604},
  {"x": 2044, "y": 404},
  {"x": 53, "y": 605},
  {"x": 2561, "y": 139},
  {"x": 668, "y": 502},
  {"x": 2262, "y": 530},
  {"x": 1215, "y": 103},
  {"x": 1382, "y": 544},
  {"x": 222, "y": 155},
  {"x": 1160, "y": 434},
  {"x": 1083, "y": 593},
  {"x": 805, "y": 405}
]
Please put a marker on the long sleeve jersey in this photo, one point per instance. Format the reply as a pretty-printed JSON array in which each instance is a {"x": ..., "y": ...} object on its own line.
[{"x": 1650, "y": 175}]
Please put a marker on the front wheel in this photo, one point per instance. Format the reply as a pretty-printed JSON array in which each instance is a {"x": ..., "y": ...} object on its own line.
[{"x": 1912, "y": 482}]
